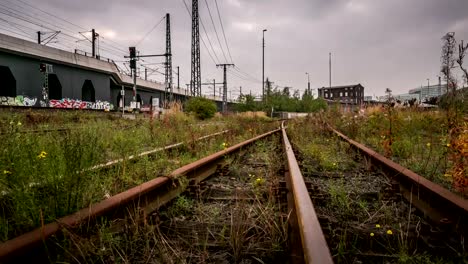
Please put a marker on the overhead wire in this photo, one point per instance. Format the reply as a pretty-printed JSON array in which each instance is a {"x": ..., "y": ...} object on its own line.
[
  {"x": 147, "y": 33},
  {"x": 216, "y": 32},
  {"x": 222, "y": 27},
  {"x": 25, "y": 14}
]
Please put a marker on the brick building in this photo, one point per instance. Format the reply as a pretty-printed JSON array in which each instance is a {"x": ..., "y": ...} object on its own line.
[{"x": 348, "y": 94}]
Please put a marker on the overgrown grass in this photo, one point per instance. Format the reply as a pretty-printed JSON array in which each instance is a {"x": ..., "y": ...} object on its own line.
[
  {"x": 44, "y": 176},
  {"x": 418, "y": 140},
  {"x": 359, "y": 210},
  {"x": 202, "y": 229}
]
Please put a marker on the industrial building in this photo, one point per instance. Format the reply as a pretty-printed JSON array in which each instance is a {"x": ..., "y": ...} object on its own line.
[
  {"x": 347, "y": 94},
  {"x": 425, "y": 92}
]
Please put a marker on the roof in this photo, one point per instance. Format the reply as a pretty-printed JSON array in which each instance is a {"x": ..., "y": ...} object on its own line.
[{"x": 342, "y": 86}]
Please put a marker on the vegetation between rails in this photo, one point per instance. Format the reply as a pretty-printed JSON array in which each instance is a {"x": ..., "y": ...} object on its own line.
[
  {"x": 44, "y": 176},
  {"x": 233, "y": 218}
]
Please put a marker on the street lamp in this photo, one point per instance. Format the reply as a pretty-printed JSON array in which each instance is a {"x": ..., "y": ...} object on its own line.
[
  {"x": 263, "y": 64},
  {"x": 308, "y": 82}
]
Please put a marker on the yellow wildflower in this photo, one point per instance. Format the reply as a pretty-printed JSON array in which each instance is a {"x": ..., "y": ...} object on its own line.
[
  {"x": 372, "y": 234},
  {"x": 377, "y": 225},
  {"x": 428, "y": 144},
  {"x": 448, "y": 145},
  {"x": 389, "y": 232},
  {"x": 224, "y": 145},
  {"x": 19, "y": 124},
  {"x": 42, "y": 155},
  {"x": 6, "y": 172}
]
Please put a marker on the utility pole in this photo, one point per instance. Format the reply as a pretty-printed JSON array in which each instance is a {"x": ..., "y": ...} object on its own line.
[
  {"x": 93, "y": 41},
  {"x": 263, "y": 65},
  {"x": 195, "y": 79},
  {"x": 38, "y": 37},
  {"x": 133, "y": 59},
  {"x": 329, "y": 69},
  {"x": 308, "y": 83},
  {"x": 146, "y": 74},
  {"x": 168, "y": 55},
  {"x": 178, "y": 78},
  {"x": 225, "y": 65},
  {"x": 240, "y": 90},
  {"x": 214, "y": 88}
]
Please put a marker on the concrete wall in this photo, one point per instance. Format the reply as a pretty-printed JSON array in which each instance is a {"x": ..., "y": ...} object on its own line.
[
  {"x": 24, "y": 57},
  {"x": 29, "y": 79}
]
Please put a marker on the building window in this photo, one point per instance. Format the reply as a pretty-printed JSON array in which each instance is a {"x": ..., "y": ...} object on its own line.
[
  {"x": 346, "y": 94},
  {"x": 326, "y": 95},
  {"x": 341, "y": 94},
  {"x": 331, "y": 95}
]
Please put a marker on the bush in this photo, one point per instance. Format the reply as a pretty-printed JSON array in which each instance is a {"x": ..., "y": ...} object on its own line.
[{"x": 201, "y": 107}]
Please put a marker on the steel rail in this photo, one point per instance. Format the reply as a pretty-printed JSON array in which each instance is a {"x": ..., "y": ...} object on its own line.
[
  {"x": 439, "y": 204},
  {"x": 314, "y": 245},
  {"x": 150, "y": 152},
  {"x": 147, "y": 197}
]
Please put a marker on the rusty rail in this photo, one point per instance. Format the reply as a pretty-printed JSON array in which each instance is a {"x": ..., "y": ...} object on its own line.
[
  {"x": 150, "y": 152},
  {"x": 314, "y": 245},
  {"x": 146, "y": 197},
  {"x": 439, "y": 204}
]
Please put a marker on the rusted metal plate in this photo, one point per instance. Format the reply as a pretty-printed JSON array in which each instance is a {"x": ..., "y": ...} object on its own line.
[
  {"x": 314, "y": 245},
  {"x": 197, "y": 170},
  {"x": 438, "y": 203}
]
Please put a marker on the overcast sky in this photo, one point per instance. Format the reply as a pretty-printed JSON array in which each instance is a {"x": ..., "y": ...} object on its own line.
[{"x": 378, "y": 43}]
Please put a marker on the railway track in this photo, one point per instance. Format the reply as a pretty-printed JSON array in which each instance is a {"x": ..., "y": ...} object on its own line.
[
  {"x": 215, "y": 209},
  {"x": 371, "y": 209}
]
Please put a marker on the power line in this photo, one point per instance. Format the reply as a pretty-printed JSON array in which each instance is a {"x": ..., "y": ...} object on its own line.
[
  {"x": 246, "y": 74},
  {"x": 51, "y": 14},
  {"x": 209, "y": 41},
  {"x": 23, "y": 15},
  {"x": 222, "y": 27},
  {"x": 155, "y": 26},
  {"x": 216, "y": 32},
  {"x": 26, "y": 36}
]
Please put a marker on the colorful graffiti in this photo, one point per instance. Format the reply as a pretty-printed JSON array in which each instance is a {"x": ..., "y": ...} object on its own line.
[
  {"x": 78, "y": 104},
  {"x": 62, "y": 103},
  {"x": 18, "y": 101}
]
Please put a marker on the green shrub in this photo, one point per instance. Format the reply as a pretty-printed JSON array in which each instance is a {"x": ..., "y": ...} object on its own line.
[{"x": 201, "y": 107}]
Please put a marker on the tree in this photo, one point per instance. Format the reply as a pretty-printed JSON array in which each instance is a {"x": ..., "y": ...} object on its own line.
[
  {"x": 201, "y": 107},
  {"x": 448, "y": 60},
  {"x": 247, "y": 103},
  {"x": 462, "y": 49}
]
